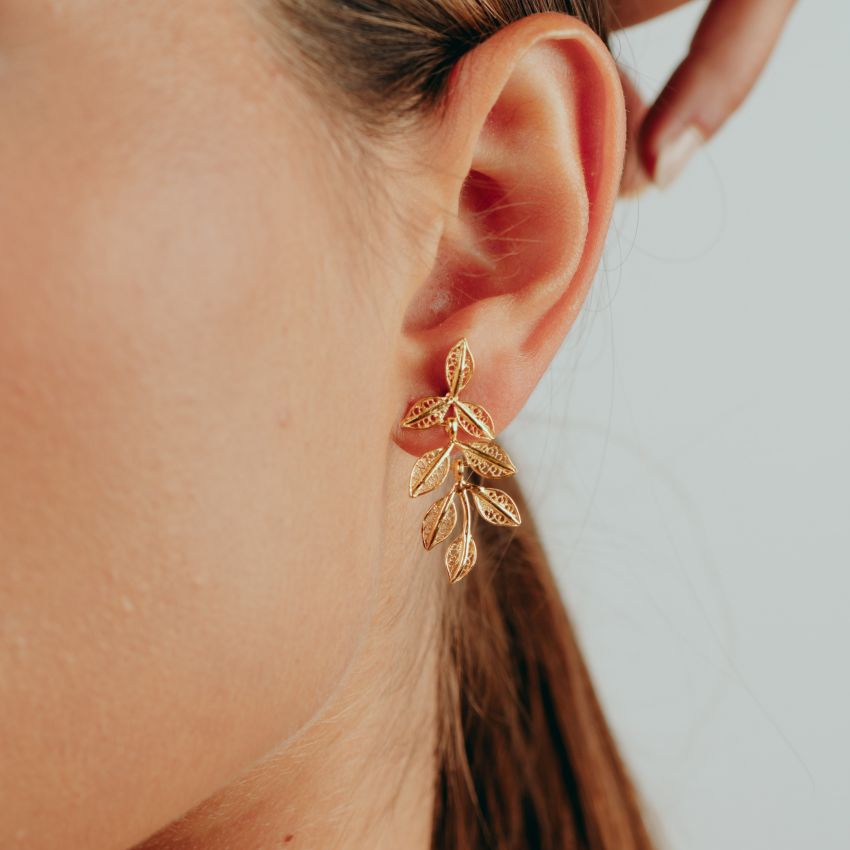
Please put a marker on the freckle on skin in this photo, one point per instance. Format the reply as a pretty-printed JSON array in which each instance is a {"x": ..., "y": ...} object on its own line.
[{"x": 288, "y": 838}]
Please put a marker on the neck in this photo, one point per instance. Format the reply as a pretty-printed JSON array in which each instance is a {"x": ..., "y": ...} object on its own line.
[{"x": 361, "y": 775}]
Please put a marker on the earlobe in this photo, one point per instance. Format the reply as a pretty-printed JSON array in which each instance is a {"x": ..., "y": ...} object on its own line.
[{"x": 527, "y": 157}]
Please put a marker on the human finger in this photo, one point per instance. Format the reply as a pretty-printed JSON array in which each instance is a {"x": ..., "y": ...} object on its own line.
[{"x": 731, "y": 46}]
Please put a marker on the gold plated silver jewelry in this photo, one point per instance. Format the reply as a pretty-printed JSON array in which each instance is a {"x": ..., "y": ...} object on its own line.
[{"x": 483, "y": 456}]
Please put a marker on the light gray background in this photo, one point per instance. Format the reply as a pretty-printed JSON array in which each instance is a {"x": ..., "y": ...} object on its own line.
[{"x": 688, "y": 458}]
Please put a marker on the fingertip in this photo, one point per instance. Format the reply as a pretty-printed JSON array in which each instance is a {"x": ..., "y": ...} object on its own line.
[
  {"x": 674, "y": 154},
  {"x": 669, "y": 138}
]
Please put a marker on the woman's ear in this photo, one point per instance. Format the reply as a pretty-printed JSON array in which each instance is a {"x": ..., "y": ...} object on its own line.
[{"x": 526, "y": 156}]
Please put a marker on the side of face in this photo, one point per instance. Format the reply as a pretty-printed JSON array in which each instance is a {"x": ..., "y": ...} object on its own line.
[
  {"x": 178, "y": 301},
  {"x": 207, "y": 335}
]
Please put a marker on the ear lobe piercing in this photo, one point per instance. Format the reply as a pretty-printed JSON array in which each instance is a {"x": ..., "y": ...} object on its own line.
[{"x": 483, "y": 456}]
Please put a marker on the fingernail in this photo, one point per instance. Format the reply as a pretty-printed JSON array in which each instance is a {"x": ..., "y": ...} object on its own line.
[{"x": 674, "y": 155}]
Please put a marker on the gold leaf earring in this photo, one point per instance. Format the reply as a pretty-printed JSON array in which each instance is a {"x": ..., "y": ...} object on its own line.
[{"x": 483, "y": 456}]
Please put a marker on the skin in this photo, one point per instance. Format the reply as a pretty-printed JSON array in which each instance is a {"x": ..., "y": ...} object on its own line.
[{"x": 218, "y": 628}]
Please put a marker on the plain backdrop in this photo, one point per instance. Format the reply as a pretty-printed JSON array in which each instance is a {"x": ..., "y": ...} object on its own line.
[{"x": 688, "y": 460}]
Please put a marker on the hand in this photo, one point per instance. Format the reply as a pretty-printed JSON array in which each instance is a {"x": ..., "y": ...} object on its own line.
[{"x": 730, "y": 48}]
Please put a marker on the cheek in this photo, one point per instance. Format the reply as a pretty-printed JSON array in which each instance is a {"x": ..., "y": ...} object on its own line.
[{"x": 190, "y": 490}]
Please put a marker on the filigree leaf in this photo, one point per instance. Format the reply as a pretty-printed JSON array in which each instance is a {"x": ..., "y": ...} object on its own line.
[
  {"x": 488, "y": 459},
  {"x": 440, "y": 520},
  {"x": 429, "y": 471},
  {"x": 459, "y": 366},
  {"x": 475, "y": 420},
  {"x": 460, "y": 557},
  {"x": 496, "y": 506},
  {"x": 426, "y": 412}
]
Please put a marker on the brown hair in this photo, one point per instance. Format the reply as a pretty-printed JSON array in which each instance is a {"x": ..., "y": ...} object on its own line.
[{"x": 526, "y": 759}]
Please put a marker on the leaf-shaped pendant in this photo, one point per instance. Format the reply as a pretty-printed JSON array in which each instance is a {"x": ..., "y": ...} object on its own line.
[
  {"x": 429, "y": 471},
  {"x": 459, "y": 366},
  {"x": 426, "y": 412},
  {"x": 496, "y": 506},
  {"x": 483, "y": 456},
  {"x": 460, "y": 557},
  {"x": 440, "y": 520},
  {"x": 475, "y": 420},
  {"x": 488, "y": 459}
]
